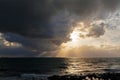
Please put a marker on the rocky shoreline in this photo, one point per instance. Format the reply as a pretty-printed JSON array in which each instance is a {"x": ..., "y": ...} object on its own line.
[
  {"x": 95, "y": 76},
  {"x": 92, "y": 76}
]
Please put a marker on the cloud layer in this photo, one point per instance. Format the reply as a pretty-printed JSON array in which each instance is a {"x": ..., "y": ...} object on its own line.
[
  {"x": 44, "y": 25},
  {"x": 32, "y": 18}
]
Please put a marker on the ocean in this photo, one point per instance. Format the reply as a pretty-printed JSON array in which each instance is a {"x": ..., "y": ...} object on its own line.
[{"x": 57, "y": 66}]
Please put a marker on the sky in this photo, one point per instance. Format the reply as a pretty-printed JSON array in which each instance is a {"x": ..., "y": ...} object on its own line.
[{"x": 59, "y": 28}]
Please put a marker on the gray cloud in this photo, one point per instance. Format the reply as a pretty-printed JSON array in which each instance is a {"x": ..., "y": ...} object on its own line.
[
  {"x": 52, "y": 20},
  {"x": 26, "y": 42},
  {"x": 28, "y": 17},
  {"x": 96, "y": 30},
  {"x": 17, "y": 52}
]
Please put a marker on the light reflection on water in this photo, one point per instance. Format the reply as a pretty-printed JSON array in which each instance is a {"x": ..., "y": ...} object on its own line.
[
  {"x": 91, "y": 65},
  {"x": 62, "y": 65}
]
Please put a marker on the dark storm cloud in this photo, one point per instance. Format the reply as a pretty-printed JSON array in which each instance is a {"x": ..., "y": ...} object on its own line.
[
  {"x": 49, "y": 21},
  {"x": 18, "y": 39},
  {"x": 25, "y": 17},
  {"x": 16, "y": 52},
  {"x": 110, "y": 4},
  {"x": 31, "y": 17}
]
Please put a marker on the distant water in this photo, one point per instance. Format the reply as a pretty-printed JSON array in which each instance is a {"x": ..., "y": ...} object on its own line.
[{"x": 60, "y": 66}]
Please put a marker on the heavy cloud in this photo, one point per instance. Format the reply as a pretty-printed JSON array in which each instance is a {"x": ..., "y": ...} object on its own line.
[
  {"x": 32, "y": 17},
  {"x": 50, "y": 22}
]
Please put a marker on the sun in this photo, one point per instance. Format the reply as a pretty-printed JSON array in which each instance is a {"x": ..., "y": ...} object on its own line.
[
  {"x": 73, "y": 45},
  {"x": 74, "y": 36},
  {"x": 77, "y": 34}
]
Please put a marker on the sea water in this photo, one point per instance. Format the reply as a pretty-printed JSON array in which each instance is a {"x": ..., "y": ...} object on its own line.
[{"x": 44, "y": 67}]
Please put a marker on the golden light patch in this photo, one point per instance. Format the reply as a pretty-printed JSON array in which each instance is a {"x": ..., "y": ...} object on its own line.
[
  {"x": 71, "y": 45},
  {"x": 11, "y": 44}
]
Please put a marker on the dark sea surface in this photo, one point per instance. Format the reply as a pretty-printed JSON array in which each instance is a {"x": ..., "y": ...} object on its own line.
[{"x": 60, "y": 66}]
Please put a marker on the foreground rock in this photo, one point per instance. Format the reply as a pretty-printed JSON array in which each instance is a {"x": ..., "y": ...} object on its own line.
[
  {"x": 104, "y": 76},
  {"x": 95, "y": 76}
]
